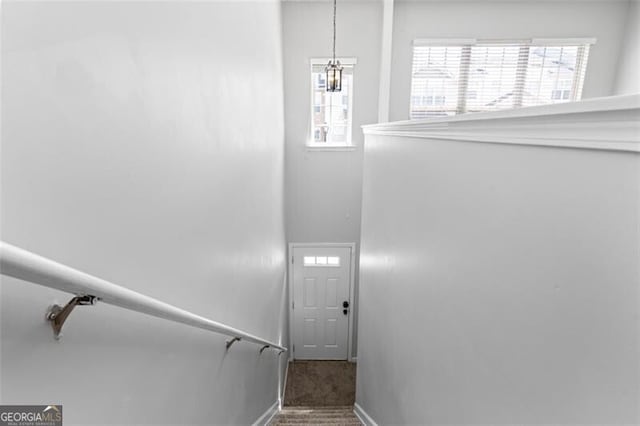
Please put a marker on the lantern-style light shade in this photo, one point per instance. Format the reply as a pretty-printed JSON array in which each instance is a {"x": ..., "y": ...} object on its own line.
[{"x": 334, "y": 76}]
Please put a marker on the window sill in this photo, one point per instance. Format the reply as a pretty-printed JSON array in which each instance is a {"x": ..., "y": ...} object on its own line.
[{"x": 331, "y": 148}]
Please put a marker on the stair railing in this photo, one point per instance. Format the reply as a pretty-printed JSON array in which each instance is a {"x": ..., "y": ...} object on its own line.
[{"x": 24, "y": 265}]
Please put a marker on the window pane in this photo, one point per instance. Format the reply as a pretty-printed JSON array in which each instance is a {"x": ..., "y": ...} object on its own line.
[
  {"x": 322, "y": 261},
  {"x": 492, "y": 77},
  {"x": 435, "y": 80},
  {"x": 449, "y": 80},
  {"x": 331, "y": 114},
  {"x": 552, "y": 74}
]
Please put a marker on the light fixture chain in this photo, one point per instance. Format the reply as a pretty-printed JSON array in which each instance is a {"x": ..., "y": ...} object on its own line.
[{"x": 334, "y": 31}]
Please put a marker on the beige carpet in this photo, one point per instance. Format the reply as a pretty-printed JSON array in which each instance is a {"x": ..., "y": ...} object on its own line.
[
  {"x": 318, "y": 416},
  {"x": 320, "y": 383},
  {"x": 319, "y": 393}
]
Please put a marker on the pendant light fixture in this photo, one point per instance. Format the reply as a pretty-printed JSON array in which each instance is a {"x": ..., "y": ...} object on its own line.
[{"x": 334, "y": 69}]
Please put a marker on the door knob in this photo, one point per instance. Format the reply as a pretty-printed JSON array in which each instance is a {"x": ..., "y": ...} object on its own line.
[
  {"x": 345, "y": 304},
  {"x": 345, "y": 311}
]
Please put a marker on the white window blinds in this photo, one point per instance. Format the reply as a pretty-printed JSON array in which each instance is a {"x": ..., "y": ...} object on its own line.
[{"x": 453, "y": 77}]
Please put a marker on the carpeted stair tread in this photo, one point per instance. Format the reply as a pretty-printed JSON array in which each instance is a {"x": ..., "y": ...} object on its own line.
[
  {"x": 317, "y": 408},
  {"x": 308, "y": 423},
  {"x": 344, "y": 422},
  {"x": 317, "y": 422},
  {"x": 319, "y": 419},
  {"x": 326, "y": 413},
  {"x": 320, "y": 411},
  {"x": 279, "y": 420},
  {"x": 321, "y": 416}
]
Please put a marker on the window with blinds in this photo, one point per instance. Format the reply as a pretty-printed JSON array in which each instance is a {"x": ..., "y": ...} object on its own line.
[
  {"x": 331, "y": 112},
  {"x": 459, "y": 76}
]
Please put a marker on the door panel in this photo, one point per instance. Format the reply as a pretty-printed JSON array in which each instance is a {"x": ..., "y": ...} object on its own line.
[
  {"x": 320, "y": 286},
  {"x": 309, "y": 332},
  {"x": 310, "y": 293},
  {"x": 331, "y": 293}
]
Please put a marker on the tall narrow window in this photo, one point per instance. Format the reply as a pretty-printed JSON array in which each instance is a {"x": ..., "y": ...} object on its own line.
[
  {"x": 331, "y": 112},
  {"x": 457, "y": 76}
]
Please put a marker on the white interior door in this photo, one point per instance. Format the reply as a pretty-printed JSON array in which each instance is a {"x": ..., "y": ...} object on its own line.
[{"x": 321, "y": 302}]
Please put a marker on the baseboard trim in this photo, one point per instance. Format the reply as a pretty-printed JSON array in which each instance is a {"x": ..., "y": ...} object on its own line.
[
  {"x": 363, "y": 416},
  {"x": 284, "y": 385},
  {"x": 265, "y": 418}
]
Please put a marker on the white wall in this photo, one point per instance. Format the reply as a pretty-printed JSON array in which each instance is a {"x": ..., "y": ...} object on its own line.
[
  {"x": 627, "y": 80},
  {"x": 126, "y": 153},
  {"x": 323, "y": 189},
  {"x": 495, "y": 19},
  {"x": 500, "y": 283}
]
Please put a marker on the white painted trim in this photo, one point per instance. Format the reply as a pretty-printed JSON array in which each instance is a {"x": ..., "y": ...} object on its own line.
[
  {"x": 330, "y": 148},
  {"x": 268, "y": 415},
  {"x": 284, "y": 386},
  {"x": 354, "y": 359},
  {"x": 363, "y": 416},
  {"x": 344, "y": 60},
  {"x": 444, "y": 41},
  {"x": 384, "y": 90},
  {"x": 532, "y": 42},
  {"x": 352, "y": 301},
  {"x": 352, "y": 275},
  {"x": 508, "y": 1},
  {"x": 281, "y": 325},
  {"x": 601, "y": 123},
  {"x": 563, "y": 41},
  {"x": 290, "y": 307}
]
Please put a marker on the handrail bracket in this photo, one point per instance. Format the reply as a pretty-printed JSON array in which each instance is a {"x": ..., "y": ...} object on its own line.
[
  {"x": 263, "y": 348},
  {"x": 57, "y": 314},
  {"x": 231, "y": 342}
]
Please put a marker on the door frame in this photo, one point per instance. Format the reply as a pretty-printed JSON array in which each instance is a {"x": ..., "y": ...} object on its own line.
[{"x": 352, "y": 276}]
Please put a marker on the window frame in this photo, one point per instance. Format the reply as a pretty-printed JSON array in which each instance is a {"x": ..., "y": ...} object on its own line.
[
  {"x": 524, "y": 46},
  {"x": 311, "y": 145}
]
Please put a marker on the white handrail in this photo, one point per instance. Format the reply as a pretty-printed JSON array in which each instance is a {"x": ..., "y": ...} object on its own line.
[{"x": 24, "y": 265}]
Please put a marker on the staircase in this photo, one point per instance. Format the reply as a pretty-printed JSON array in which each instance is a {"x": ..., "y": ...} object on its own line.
[
  {"x": 330, "y": 416},
  {"x": 319, "y": 393}
]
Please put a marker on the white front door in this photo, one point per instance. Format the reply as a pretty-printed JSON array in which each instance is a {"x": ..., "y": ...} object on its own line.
[{"x": 321, "y": 302}]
